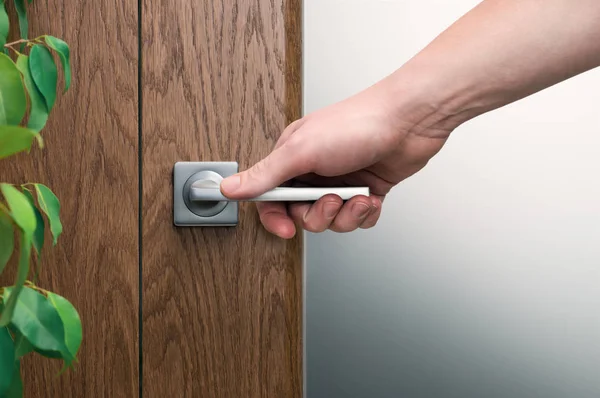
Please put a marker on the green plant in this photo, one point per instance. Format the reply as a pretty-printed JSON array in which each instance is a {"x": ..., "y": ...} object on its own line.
[{"x": 32, "y": 320}]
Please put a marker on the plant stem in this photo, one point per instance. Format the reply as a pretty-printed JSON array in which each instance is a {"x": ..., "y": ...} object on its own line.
[
  {"x": 16, "y": 42},
  {"x": 33, "y": 286},
  {"x": 28, "y": 41}
]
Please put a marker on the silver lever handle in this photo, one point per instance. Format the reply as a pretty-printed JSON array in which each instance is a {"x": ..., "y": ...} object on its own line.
[
  {"x": 198, "y": 201},
  {"x": 200, "y": 191}
]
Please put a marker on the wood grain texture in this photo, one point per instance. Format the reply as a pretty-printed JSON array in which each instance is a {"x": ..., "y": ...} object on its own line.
[
  {"x": 221, "y": 306},
  {"x": 90, "y": 161}
]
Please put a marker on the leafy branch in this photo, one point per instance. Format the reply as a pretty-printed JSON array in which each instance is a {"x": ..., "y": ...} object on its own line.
[{"x": 32, "y": 319}]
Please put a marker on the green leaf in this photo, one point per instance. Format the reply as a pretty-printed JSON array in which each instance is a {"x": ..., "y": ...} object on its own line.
[
  {"x": 52, "y": 354},
  {"x": 16, "y": 387},
  {"x": 22, "y": 13},
  {"x": 44, "y": 73},
  {"x": 39, "y": 322},
  {"x": 51, "y": 207},
  {"x": 7, "y": 240},
  {"x": 13, "y": 102},
  {"x": 23, "y": 215},
  {"x": 11, "y": 302},
  {"x": 63, "y": 51},
  {"x": 38, "y": 113},
  {"x": 71, "y": 321},
  {"x": 21, "y": 210},
  {"x": 22, "y": 345},
  {"x": 7, "y": 359},
  {"x": 15, "y": 139},
  {"x": 38, "y": 235},
  {"x": 4, "y": 24}
]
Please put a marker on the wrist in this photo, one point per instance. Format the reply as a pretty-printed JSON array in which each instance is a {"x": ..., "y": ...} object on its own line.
[
  {"x": 492, "y": 57},
  {"x": 429, "y": 100}
]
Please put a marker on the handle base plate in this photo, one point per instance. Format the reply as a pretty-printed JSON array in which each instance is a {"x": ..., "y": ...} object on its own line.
[{"x": 194, "y": 214}]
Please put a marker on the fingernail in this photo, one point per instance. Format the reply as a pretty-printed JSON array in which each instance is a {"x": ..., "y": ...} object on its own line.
[
  {"x": 359, "y": 210},
  {"x": 231, "y": 184},
  {"x": 330, "y": 209}
]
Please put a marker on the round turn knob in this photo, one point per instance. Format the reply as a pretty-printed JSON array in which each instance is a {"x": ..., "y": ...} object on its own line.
[{"x": 203, "y": 179}]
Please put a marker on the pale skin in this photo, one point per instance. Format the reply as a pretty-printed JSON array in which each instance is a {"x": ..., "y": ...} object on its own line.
[{"x": 498, "y": 53}]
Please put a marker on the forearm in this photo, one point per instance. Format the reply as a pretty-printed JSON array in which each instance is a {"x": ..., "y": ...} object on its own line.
[{"x": 500, "y": 52}]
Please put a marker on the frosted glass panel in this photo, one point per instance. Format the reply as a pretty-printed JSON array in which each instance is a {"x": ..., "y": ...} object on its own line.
[{"x": 482, "y": 279}]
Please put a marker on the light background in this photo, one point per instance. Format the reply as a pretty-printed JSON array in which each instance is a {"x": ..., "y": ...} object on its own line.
[{"x": 482, "y": 279}]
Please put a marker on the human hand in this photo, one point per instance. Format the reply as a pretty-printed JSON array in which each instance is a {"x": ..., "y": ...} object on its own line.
[
  {"x": 362, "y": 141},
  {"x": 381, "y": 136}
]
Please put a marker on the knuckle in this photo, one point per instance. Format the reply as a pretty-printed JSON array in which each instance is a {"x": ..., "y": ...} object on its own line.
[
  {"x": 315, "y": 226},
  {"x": 342, "y": 228},
  {"x": 371, "y": 221},
  {"x": 258, "y": 169},
  {"x": 382, "y": 187},
  {"x": 311, "y": 221},
  {"x": 294, "y": 144},
  {"x": 295, "y": 125},
  {"x": 368, "y": 224},
  {"x": 297, "y": 213},
  {"x": 298, "y": 150}
]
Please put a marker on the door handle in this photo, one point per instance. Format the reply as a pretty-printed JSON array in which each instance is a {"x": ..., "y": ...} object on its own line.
[
  {"x": 198, "y": 201},
  {"x": 200, "y": 191}
]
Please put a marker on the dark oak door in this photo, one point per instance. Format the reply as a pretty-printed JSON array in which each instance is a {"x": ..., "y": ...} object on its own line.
[
  {"x": 168, "y": 311},
  {"x": 90, "y": 160},
  {"x": 221, "y": 308}
]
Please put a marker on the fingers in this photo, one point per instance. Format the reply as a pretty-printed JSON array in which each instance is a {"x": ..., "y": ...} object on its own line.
[
  {"x": 319, "y": 216},
  {"x": 331, "y": 213},
  {"x": 353, "y": 214},
  {"x": 275, "y": 218},
  {"x": 373, "y": 217},
  {"x": 282, "y": 164}
]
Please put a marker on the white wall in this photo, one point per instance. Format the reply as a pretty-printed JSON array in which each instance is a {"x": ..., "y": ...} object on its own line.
[{"x": 482, "y": 279}]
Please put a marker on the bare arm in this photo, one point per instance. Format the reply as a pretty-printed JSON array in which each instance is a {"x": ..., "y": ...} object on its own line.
[{"x": 501, "y": 51}]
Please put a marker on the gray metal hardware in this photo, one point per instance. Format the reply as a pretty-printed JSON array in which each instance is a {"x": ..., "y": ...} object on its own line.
[{"x": 198, "y": 200}]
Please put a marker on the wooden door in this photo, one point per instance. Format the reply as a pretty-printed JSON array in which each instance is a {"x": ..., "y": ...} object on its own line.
[
  {"x": 168, "y": 311},
  {"x": 90, "y": 160},
  {"x": 221, "y": 308}
]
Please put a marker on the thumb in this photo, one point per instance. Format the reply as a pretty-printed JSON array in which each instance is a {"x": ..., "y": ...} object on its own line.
[{"x": 278, "y": 167}]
